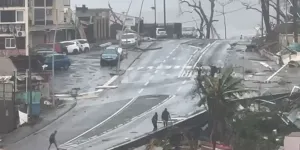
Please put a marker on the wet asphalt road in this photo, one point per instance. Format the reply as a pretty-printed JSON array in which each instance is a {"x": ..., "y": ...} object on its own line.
[
  {"x": 158, "y": 74},
  {"x": 85, "y": 73},
  {"x": 168, "y": 71}
]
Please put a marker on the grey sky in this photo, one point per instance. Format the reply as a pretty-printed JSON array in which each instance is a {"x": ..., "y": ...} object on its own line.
[{"x": 240, "y": 22}]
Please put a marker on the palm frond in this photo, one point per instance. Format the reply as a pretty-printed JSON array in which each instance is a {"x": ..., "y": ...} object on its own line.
[{"x": 226, "y": 75}]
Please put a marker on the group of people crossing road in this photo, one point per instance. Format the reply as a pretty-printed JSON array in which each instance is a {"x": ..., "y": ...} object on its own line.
[{"x": 165, "y": 116}]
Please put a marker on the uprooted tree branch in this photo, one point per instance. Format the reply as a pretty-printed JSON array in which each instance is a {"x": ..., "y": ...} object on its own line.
[
  {"x": 116, "y": 19},
  {"x": 249, "y": 6},
  {"x": 197, "y": 7}
]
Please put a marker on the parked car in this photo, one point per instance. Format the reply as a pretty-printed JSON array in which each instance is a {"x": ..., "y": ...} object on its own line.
[
  {"x": 110, "y": 55},
  {"x": 84, "y": 45},
  {"x": 129, "y": 39},
  {"x": 60, "y": 61},
  {"x": 161, "y": 33},
  {"x": 45, "y": 51},
  {"x": 58, "y": 47},
  {"x": 71, "y": 47},
  {"x": 189, "y": 32}
]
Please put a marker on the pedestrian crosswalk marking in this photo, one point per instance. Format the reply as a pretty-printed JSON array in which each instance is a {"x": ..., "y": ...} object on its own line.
[
  {"x": 160, "y": 67},
  {"x": 176, "y": 67},
  {"x": 150, "y": 67},
  {"x": 168, "y": 67},
  {"x": 140, "y": 68}
]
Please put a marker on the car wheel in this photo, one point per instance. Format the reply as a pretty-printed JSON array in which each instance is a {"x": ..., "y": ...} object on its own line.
[
  {"x": 86, "y": 49},
  {"x": 65, "y": 52},
  {"x": 75, "y": 51}
]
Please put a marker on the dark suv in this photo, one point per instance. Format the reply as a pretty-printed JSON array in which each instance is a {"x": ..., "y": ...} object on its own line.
[{"x": 110, "y": 56}]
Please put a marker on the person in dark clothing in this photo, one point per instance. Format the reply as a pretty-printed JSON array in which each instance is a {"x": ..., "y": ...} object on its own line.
[
  {"x": 165, "y": 116},
  {"x": 154, "y": 121},
  {"x": 213, "y": 71},
  {"x": 52, "y": 140}
]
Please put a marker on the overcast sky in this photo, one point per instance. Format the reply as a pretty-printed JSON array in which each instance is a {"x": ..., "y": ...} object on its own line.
[{"x": 239, "y": 22}]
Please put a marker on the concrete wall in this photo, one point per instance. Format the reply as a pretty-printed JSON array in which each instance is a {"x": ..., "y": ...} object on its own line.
[
  {"x": 58, "y": 12},
  {"x": 286, "y": 38}
]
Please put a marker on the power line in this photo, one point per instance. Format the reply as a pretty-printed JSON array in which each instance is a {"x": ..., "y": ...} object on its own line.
[{"x": 228, "y": 12}]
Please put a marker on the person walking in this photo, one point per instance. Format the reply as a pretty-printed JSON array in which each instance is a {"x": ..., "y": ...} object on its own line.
[
  {"x": 165, "y": 116},
  {"x": 52, "y": 140},
  {"x": 154, "y": 121}
]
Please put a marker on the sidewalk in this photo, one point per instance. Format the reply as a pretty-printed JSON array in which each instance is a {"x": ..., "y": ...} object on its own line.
[{"x": 47, "y": 118}]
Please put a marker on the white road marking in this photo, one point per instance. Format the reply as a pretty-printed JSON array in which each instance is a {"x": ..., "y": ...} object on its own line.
[
  {"x": 168, "y": 67},
  {"x": 146, "y": 83},
  {"x": 111, "y": 80},
  {"x": 168, "y": 56},
  {"x": 135, "y": 118},
  {"x": 205, "y": 49},
  {"x": 132, "y": 100},
  {"x": 176, "y": 67},
  {"x": 156, "y": 71},
  {"x": 195, "y": 51},
  {"x": 178, "y": 89},
  {"x": 130, "y": 68},
  {"x": 174, "y": 58},
  {"x": 171, "y": 52},
  {"x": 183, "y": 82},
  {"x": 164, "y": 61},
  {"x": 140, "y": 91},
  {"x": 151, "y": 77},
  {"x": 182, "y": 70},
  {"x": 140, "y": 68},
  {"x": 150, "y": 67},
  {"x": 188, "y": 67}
]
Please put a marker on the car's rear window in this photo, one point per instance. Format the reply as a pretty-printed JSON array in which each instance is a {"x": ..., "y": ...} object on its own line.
[
  {"x": 128, "y": 36},
  {"x": 110, "y": 51},
  {"x": 82, "y": 41},
  {"x": 161, "y": 30},
  {"x": 67, "y": 43}
]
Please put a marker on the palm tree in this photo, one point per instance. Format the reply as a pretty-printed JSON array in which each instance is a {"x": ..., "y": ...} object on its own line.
[{"x": 216, "y": 93}]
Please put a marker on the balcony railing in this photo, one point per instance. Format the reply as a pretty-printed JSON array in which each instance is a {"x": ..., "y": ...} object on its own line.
[{"x": 12, "y": 3}]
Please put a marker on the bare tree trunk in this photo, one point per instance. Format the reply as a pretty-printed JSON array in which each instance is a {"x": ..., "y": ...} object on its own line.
[
  {"x": 210, "y": 21},
  {"x": 266, "y": 14},
  {"x": 278, "y": 12}
]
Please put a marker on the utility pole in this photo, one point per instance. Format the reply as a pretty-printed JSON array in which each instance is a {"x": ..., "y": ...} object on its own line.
[
  {"x": 139, "y": 24},
  {"x": 155, "y": 13},
  {"x": 295, "y": 17},
  {"x": 224, "y": 18},
  {"x": 165, "y": 18},
  {"x": 262, "y": 25},
  {"x": 29, "y": 82},
  {"x": 53, "y": 52},
  {"x": 119, "y": 59}
]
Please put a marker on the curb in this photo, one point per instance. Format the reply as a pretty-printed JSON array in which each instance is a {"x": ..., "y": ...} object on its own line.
[{"x": 46, "y": 125}]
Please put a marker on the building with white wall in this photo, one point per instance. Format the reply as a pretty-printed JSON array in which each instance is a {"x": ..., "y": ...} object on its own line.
[
  {"x": 26, "y": 23},
  {"x": 46, "y": 16},
  {"x": 13, "y": 27}
]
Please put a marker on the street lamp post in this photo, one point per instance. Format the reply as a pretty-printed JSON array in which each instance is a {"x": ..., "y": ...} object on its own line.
[
  {"x": 118, "y": 65},
  {"x": 139, "y": 23},
  {"x": 53, "y": 52}
]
